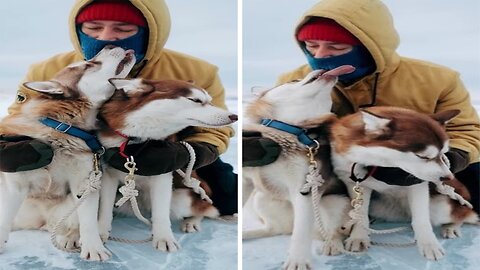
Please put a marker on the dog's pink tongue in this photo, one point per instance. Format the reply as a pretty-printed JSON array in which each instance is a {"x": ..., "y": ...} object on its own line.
[{"x": 345, "y": 69}]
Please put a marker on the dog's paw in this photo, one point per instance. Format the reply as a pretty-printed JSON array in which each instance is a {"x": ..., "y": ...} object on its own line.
[
  {"x": 331, "y": 248},
  {"x": 165, "y": 244},
  {"x": 297, "y": 264},
  {"x": 104, "y": 236},
  {"x": 104, "y": 232},
  {"x": 431, "y": 250},
  {"x": 94, "y": 252},
  {"x": 355, "y": 244},
  {"x": 191, "y": 225},
  {"x": 451, "y": 231},
  {"x": 69, "y": 241}
]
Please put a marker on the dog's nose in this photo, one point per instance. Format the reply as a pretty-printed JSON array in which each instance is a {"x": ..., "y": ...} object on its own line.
[
  {"x": 447, "y": 178},
  {"x": 233, "y": 117}
]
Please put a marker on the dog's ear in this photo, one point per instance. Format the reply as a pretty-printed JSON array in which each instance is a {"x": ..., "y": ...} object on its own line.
[
  {"x": 374, "y": 124},
  {"x": 127, "y": 85},
  {"x": 46, "y": 87},
  {"x": 445, "y": 116}
]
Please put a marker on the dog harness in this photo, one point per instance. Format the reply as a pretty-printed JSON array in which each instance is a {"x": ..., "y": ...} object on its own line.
[
  {"x": 90, "y": 139},
  {"x": 301, "y": 133}
]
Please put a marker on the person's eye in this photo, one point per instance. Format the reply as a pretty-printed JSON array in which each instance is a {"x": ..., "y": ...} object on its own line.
[
  {"x": 338, "y": 48},
  {"x": 92, "y": 28},
  {"x": 125, "y": 30}
]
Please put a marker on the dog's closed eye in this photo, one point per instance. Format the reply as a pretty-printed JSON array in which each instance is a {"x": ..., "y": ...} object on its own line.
[
  {"x": 424, "y": 157},
  {"x": 196, "y": 100}
]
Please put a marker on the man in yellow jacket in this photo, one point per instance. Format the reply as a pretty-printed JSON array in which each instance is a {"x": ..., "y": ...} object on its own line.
[
  {"x": 142, "y": 25},
  {"x": 361, "y": 33}
]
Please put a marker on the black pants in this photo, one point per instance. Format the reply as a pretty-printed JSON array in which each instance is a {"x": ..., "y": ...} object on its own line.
[
  {"x": 224, "y": 184},
  {"x": 470, "y": 177}
]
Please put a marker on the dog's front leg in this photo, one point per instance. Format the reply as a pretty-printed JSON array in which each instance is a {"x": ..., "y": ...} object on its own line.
[
  {"x": 299, "y": 255},
  {"x": 92, "y": 246},
  {"x": 334, "y": 213},
  {"x": 160, "y": 196},
  {"x": 419, "y": 199},
  {"x": 107, "y": 200},
  {"x": 359, "y": 239},
  {"x": 12, "y": 194}
]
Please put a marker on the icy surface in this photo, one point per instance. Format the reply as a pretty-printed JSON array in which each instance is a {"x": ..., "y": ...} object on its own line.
[
  {"x": 212, "y": 248},
  {"x": 462, "y": 253}
]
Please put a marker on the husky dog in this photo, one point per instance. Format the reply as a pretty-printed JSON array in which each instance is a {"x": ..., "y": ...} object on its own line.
[
  {"x": 73, "y": 97},
  {"x": 304, "y": 104},
  {"x": 414, "y": 142},
  {"x": 144, "y": 109}
]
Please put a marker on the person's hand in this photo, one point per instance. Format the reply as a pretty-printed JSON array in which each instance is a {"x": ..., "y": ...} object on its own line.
[
  {"x": 159, "y": 157},
  {"x": 395, "y": 176},
  {"x": 22, "y": 153},
  {"x": 257, "y": 150}
]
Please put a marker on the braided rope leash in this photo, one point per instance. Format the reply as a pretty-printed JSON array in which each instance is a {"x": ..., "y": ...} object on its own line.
[
  {"x": 314, "y": 181},
  {"x": 93, "y": 184},
  {"x": 356, "y": 215},
  {"x": 450, "y": 192},
  {"x": 129, "y": 193},
  {"x": 190, "y": 181}
]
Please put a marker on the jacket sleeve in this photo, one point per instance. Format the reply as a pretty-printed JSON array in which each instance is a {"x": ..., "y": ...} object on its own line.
[
  {"x": 464, "y": 129},
  {"x": 217, "y": 136}
]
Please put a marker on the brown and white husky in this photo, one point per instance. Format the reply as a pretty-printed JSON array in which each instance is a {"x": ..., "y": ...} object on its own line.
[
  {"x": 305, "y": 104},
  {"x": 414, "y": 142},
  {"x": 145, "y": 109},
  {"x": 73, "y": 97}
]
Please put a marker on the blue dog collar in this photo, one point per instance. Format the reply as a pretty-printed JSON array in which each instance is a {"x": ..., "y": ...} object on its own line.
[
  {"x": 301, "y": 133},
  {"x": 90, "y": 139}
]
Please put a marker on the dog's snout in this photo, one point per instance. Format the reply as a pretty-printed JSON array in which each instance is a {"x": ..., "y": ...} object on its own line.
[
  {"x": 233, "y": 117},
  {"x": 447, "y": 178}
]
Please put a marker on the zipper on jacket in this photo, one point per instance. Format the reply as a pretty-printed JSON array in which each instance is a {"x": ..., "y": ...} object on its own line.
[
  {"x": 374, "y": 93},
  {"x": 140, "y": 68}
]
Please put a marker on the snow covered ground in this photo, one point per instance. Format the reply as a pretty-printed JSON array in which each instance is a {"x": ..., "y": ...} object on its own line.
[
  {"x": 32, "y": 250},
  {"x": 462, "y": 253}
]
